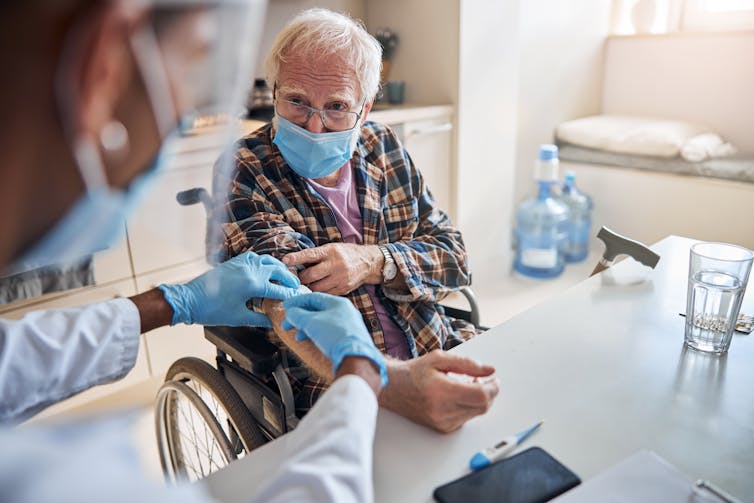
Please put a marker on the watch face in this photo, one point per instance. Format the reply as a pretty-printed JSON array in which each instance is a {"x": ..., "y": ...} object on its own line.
[{"x": 390, "y": 271}]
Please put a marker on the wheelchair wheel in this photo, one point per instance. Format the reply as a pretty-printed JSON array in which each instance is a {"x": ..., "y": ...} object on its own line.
[{"x": 202, "y": 424}]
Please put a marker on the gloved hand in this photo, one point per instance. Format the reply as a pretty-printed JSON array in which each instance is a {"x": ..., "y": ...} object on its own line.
[
  {"x": 335, "y": 326},
  {"x": 218, "y": 297}
]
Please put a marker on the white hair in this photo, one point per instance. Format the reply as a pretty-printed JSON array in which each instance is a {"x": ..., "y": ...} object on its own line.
[{"x": 322, "y": 32}]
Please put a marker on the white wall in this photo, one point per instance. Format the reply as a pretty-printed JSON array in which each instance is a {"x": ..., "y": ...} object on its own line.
[
  {"x": 524, "y": 66},
  {"x": 427, "y": 53},
  {"x": 699, "y": 77},
  {"x": 279, "y": 12},
  {"x": 560, "y": 75},
  {"x": 488, "y": 85}
]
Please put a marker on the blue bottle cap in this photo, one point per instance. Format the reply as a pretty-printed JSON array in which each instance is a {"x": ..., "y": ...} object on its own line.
[{"x": 548, "y": 152}]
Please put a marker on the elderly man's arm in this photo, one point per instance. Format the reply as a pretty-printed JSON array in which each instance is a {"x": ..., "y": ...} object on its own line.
[
  {"x": 256, "y": 225},
  {"x": 429, "y": 252},
  {"x": 432, "y": 261},
  {"x": 418, "y": 389}
]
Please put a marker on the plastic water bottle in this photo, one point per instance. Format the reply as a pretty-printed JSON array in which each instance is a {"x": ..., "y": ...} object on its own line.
[
  {"x": 579, "y": 221},
  {"x": 542, "y": 223}
]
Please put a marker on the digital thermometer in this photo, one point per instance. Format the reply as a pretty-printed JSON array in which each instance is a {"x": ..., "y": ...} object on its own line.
[{"x": 501, "y": 449}]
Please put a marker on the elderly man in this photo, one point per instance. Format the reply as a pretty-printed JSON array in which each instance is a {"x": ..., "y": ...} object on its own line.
[{"x": 340, "y": 200}]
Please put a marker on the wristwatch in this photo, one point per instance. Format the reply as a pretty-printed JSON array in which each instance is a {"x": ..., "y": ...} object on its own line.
[{"x": 389, "y": 270}]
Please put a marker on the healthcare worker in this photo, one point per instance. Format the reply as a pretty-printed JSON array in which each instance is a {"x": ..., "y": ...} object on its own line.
[{"x": 91, "y": 94}]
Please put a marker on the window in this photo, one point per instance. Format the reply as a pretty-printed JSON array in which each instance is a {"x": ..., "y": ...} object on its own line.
[{"x": 718, "y": 15}]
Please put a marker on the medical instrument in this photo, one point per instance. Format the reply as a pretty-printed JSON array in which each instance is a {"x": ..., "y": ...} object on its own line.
[
  {"x": 701, "y": 485},
  {"x": 615, "y": 245},
  {"x": 501, "y": 449}
]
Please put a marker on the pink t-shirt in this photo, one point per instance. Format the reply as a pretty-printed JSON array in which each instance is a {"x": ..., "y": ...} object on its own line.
[{"x": 343, "y": 201}]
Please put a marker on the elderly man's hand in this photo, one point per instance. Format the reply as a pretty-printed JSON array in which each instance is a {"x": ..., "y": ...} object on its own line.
[
  {"x": 422, "y": 390},
  {"x": 338, "y": 268}
]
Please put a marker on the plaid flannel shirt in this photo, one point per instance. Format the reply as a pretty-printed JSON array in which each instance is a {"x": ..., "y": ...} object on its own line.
[{"x": 272, "y": 210}]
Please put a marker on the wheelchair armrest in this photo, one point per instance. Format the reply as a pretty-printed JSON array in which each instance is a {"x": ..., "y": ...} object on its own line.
[
  {"x": 472, "y": 315},
  {"x": 248, "y": 346}
]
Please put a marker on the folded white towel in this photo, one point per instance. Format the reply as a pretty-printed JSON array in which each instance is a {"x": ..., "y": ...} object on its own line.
[{"x": 704, "y": 146}]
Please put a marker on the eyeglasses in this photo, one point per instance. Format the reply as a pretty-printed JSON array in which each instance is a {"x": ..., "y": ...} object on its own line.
[{"x": 334, "y": 120}]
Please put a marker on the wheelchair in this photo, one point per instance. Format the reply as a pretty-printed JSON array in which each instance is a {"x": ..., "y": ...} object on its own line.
[{"x": 207, "y": 416}]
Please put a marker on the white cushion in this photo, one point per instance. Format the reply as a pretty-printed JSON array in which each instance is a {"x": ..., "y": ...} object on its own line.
[{"x": 629, "y": 135}]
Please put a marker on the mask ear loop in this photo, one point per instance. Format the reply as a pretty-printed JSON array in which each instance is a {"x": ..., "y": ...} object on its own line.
[
  {"x": 83, "y": 148},
  {"x": 151, "y": 64}
]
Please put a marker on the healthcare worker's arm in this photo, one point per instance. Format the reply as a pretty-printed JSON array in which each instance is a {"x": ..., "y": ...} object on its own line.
[
  {"x": 329, "y": 454},
  {"x": 48, "y": 356}
]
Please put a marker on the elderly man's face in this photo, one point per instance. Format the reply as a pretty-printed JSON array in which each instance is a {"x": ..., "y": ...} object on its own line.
[{"x": 326, "y": 83}]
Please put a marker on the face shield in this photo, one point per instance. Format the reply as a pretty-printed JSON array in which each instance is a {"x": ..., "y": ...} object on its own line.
[
  {"x": 209, "y": 81},
  {"x": 194, "y": 60}
]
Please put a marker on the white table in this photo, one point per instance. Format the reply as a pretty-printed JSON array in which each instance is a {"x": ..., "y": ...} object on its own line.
[{"x": 605, "y": 366}]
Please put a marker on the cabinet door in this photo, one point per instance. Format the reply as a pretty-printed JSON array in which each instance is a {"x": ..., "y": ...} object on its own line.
[
  {"x": 113, "y": 264},
  {"x": 80, "y": 297},
  {"x": 162, "y": 233},
  {"x": 429, "y": 143},
  {"x": 167, "y": 344},
  {"x": 110, "y": 265}
]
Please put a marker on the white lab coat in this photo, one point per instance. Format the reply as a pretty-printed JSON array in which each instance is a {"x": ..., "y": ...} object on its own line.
[
  {"x": 50, "y": 355},
  {"x": 47, "y": 356}
]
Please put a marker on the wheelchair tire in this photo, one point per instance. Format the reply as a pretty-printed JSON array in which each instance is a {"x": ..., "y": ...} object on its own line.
[{"x": 196, "y": 396}]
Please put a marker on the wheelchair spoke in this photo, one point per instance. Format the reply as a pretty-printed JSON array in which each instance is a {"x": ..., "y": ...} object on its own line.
[
  {"x": 199, "y": 389},
  {"x": 204, "y": 447},
  {"x": 221, "y": 427},
  {"x": 196, "y": 441},
  {"x": 203, "y": 451}
]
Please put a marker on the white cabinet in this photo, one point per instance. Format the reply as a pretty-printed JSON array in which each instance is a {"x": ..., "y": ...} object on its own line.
[
  {"x": 162, "y": 233},
  {"x": 113, "y": 264}
]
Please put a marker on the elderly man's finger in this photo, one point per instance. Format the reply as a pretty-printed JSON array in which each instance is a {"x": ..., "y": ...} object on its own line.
[
  {"x": 307, "y": 256},
  {"x": 474, "y": 395},
  {"x": 314, "y": 273},
  {"x": 457, "y": 416},
  {"x": 331, "y": 285},
  {"x": 449, "y": 362}
]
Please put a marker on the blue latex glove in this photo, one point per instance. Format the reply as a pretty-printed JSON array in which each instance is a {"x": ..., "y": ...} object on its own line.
[
  {"x": 335, "y": 326},
  {"x": 219, "y": 296}
]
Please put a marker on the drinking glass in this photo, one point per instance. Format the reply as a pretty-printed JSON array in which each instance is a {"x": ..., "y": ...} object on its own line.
[{"x": 718, "y": 273}]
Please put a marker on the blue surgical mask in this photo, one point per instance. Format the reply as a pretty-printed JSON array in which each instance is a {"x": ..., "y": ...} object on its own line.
[
  {"x": 313, "y": 155},
  {"x": 93, "y": 224}
]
